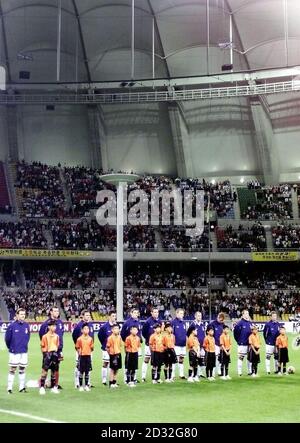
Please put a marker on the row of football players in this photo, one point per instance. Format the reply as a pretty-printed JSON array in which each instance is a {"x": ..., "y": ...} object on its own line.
[{"x": 165, "y": 345}]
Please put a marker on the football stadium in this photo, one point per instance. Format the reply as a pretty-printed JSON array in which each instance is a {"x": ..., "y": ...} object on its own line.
[{"x": 149, "y": 211}]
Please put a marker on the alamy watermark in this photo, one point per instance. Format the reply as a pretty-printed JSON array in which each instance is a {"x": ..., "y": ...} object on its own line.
[{"x": 165, "y": 208}]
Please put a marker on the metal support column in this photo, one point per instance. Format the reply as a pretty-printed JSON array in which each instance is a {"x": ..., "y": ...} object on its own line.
[
  {"x": 58, "y": 48},
  {"x": 120, "y": 263},
  {"x": 132, "y": 39}
]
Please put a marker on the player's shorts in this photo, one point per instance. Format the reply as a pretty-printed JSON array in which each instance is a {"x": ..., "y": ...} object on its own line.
[
  {"x": 157, "y": 359},
  {"x": 180, "y": 351},
  {"x": 270, "y": 350},
  {"x": 147, "y": 352},
  {"x": 283, "y": 355},
  {"x": 223, "y": 358},
  {"x": 170, "y": 357},
  {"x": 84, "y": 364},
  {"x": 115, "y": 362},
  {"x": 50, "y": 361},
  {"x": 132, "y": 361},
  {"x": 105, "y": 357},
  {"x": 18, "y": 359},
  {"x": 242, "y": 350},
  {"x": 193, "y": 359}
]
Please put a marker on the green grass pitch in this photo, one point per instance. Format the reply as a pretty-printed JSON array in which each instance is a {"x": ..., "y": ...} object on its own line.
[{"x": 243, "y": 399}]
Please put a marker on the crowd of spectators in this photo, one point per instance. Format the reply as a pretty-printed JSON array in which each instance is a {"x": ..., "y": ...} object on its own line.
[
  {"x": 23, "y": 234},
  {"x": 82, "y": 235},
  {"x": 249, "y": 239},
  {"x": 36, "y": 303},
  {"x": 83, "y": 183},
  {"x": 286, "y": 237},
  {"x": 273, "y": 203},
  {"x": 74, "y": 302},
  {"x": 254, "y": 184},
  {"x": 174, "y": 239},
  {"x": 41, "y": 190},
  {"x": 261, "y": 302},
  {"x": 59, "y": 278},
  {"x": 145, "y": 300},
  {"x": 264, "y": 280},
  {"x": 154, "y": 279}
]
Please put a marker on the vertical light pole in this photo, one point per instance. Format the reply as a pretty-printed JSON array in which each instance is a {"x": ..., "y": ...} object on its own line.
[
  {"x": 120, "y": 181},
  {"x": 209, "y": 257}
]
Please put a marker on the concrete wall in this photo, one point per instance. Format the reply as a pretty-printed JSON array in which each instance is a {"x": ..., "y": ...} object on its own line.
[
  {"x": 54, "y": 136},
  {"x": 139, "y": 138},
  {"x": 3, "y": 134},
  {"x": 285, "y": 114},
  {"x": 221, "y": 139}
]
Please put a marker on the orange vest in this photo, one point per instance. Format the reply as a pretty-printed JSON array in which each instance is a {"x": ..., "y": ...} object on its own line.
[
  {"x": 225, "y": 341},
  {"x": 209, "y": 344},
  {"x": 156, "y": 343},
  {"x": 50, "y": 342},
  {"x": 169, "y": 341},
  {"x": 282, "y": 341},
  {"x": 132, "y": 343},
  {"x": 254, "y": 340},
  {"x": 113, "y": 344},
  {"x": 85, "y": 345},
  {"x": 193, "y": 342}
]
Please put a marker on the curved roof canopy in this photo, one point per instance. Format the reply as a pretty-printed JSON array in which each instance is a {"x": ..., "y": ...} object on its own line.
[{"x": 96, "y": 37}]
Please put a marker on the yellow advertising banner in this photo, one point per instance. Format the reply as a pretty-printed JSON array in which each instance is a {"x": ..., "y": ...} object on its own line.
[
  {"x": 275, "y": 256},
  {"x": 19, "y": 253}
]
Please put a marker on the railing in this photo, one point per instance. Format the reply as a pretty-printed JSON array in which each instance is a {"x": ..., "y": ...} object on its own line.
[{"x": 153, "y": 96}]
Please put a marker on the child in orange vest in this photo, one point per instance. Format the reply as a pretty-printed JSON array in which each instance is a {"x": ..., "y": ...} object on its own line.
[
  {"x": 132, "y": 347},
  {"x": 157, "y": 353},
  {"x": 283, "y": 353},
  {"x": 210, "y": 353},
  {"x": 254, "y": 350},
  {"x": 84, "y": 347}
]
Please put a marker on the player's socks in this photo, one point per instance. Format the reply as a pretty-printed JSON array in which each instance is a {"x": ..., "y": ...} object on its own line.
[
  {"x": 153, "y": 374},
  {"x": 166, "y": 373},
  {"x": 190, "y": 372},
  {"x": 195, "y": 371},
  {"x": 181, "y": 369},
  {"x": 275, "y": 365},
  {"x": 10, "y": 381},
  {"x": 80, "y": 380},
  {"x": 43, "y": 380},
  {"x": 22, "y": 376},
  {"x": 104, "y": 374},
  {"x": 87, "y": 379},
  {"x": 158, "y": 374},
  {"x": 249, "y": 364},
  {"x": 76, "y": 377},
  {"x": 174, "y": 370},
  {"x": 268, "y": 365},
  {"x": 240, "y": 367},
  {"x": 170, "y": 373},
  {"x": 201, "y": 371},
  {"x": 144, "y": 370}
]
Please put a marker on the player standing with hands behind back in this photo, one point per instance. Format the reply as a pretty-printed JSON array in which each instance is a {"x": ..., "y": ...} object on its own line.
[{"x": 17, "y": 337}]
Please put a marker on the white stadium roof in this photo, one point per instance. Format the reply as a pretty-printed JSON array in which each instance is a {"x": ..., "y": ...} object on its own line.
[{"x": 96, "y": 37}]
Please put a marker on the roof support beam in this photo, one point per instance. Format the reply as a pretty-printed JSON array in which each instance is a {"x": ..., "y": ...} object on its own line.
[
  {"x": 86, "y": 64},
  {"x": 180, "y": 135},
  {"x": 159, "y": 38},
  {"x": 5, "y": 45},
  {"x": 266, "y": 147}
]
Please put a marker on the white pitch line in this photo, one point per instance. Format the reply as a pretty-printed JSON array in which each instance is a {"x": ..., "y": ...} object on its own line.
[{"x": 32, "y": 417}]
